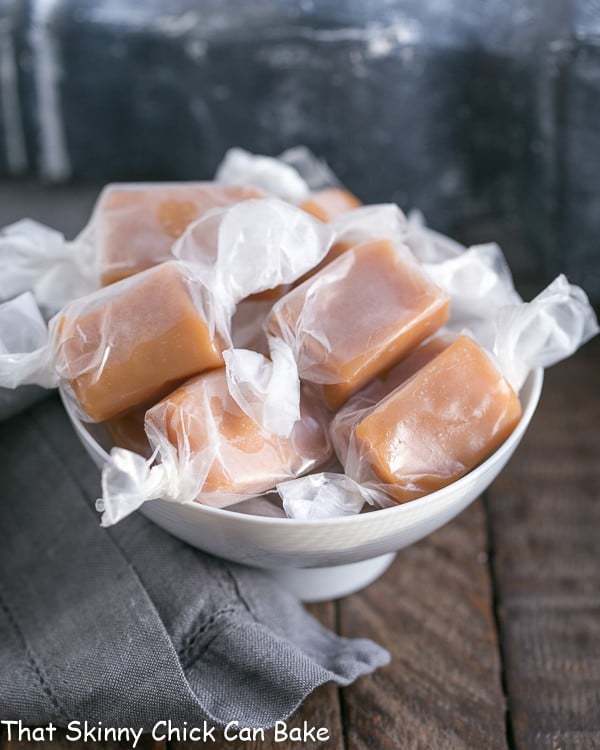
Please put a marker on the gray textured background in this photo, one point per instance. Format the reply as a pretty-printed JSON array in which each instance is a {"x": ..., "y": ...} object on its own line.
[{"x": 483, "y": 113}]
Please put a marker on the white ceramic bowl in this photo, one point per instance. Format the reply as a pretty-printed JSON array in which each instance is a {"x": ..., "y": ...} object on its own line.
[{"x": 342, "y": 554}]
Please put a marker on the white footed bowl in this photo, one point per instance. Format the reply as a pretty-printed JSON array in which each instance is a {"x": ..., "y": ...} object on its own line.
[{"x": 319, "y": 560}]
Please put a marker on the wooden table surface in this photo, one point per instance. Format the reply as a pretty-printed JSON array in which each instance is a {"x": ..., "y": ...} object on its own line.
[{"x": 493, "y": 622}]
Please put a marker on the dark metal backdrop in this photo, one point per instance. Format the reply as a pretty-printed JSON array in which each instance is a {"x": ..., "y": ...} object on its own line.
[{"x": 483, "y": 113}]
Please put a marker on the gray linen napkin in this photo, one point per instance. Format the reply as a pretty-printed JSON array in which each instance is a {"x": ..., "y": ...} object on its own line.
[
  {"x": 14, "y": 401},
  {"x": 129, "y": 626}
]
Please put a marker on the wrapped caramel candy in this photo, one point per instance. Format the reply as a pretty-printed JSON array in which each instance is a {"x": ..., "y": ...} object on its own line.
[
  {"x": 297, "y": 176},
  {"x": 380, "y": 222},
  {"x": 210, "y": 450},
  {"x": 128, "y": 431},
  {"x": 137, "y": 339},
  {"x": 330, "y": 203},
  {"x": 357, "y": 317},
  {"x": 135, "y": 225},
  {"x": 428, "y": 432},
  {"x": 122, "y": 345},
  {"x": 35, "y": 258},
  {"x": 291, "y": 176},
  {"x": 446, "y": 417},
  {"x": 477, "y": 279},
  {"x": 345, "y": 420},
  {"x": 432, "y": 429},
  {"x": 233, "y": 455},
  {"x": 262, "y": 245},
  {"x": 132, "y": 228}
]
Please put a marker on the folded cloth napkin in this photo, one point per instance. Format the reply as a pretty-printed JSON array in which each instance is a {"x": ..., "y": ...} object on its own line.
[
  {"x": 129, "y": 625},
  {"x": 12, "y": 402}
]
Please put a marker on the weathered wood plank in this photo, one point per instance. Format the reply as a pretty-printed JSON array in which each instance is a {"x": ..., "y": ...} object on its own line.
[
  {"x": 433, "y": 610},
  {"x": 545, "y": 521},
  {"x": 321, "y": 709}
]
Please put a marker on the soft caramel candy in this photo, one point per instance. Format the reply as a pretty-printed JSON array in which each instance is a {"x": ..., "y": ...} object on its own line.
[
  {"x": 406, "y": 368},
  {"x": 127, "y": 431},
  {"x": 228, "y": 450},
  {"x": 451, "y": 415},
  {"x": 337, "y": 249},
  {"x": 328, "y": 204},
  {"x": 357, "y": 317},
  {"x": 134, "y": 341},
  {"x": 136, "y": 224},
  {"x": 270, "y": 295},
  {"x": 347, "y": 418},
  {"x": 366, "y": 223}
]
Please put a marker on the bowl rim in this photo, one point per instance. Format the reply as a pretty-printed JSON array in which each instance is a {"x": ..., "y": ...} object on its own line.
[{"x": 536, "y": 377}]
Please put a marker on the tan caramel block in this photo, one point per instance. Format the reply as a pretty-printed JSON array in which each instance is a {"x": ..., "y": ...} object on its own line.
[
  {"x": 439, "y": 424},
  {"x": 270, "y": 295},
  {"x": 233, "y": 453},
  {"x": 133, "y": 342},
  {"x": 358, "y": 316},
  {"x": 328, "y": 204},
  {"x": 127, "y": 431},
  {"x": 324, "y": 205},
  {"x": 380, "y": 387},
  {"x": 411, "y": 364},
  {"x": 136, "y": 224},
  {"x": 337, "y": 249}
]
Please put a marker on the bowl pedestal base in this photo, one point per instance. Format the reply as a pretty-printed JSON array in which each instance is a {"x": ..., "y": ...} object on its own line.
[{"x": 322, "y": 584}]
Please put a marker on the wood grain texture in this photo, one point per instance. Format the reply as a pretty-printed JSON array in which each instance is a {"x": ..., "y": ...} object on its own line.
[
  {"x": 321, "y": 709},
  {"x": 433, "y": 610},
  {"x": 545, "y": 525}
]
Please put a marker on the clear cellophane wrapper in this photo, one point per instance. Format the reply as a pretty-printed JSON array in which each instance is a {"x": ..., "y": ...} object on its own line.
[
  {"x": 351, "y": 313},
  {"x": 223, "y": 258},
  {"x": 291, "y": 176},
  {"x": 134, "y": 340},
  {"x": 98, "y": 345},
  {"x": 207, "y": 449},
  {"x": 526, "y": 336},
  {"x": 132, "y": 227}
]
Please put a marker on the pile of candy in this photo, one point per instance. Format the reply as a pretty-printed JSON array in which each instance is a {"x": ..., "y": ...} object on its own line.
[{"x": 236, "y": 337}]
